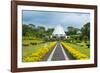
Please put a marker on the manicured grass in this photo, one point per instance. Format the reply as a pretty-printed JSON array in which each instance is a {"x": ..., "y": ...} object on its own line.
[
  {"x": 82, "y": 49},
  {"x": 28, "y": 50},
  {"x": 30, "y": 45},
  {"x": 24, "y": 42},
  {"x": 39, "y": 52}
]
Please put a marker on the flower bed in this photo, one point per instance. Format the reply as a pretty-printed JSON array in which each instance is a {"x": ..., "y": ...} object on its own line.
[
  {"x": 39, "y": 54},
  {"x": 76, "y": 54}
]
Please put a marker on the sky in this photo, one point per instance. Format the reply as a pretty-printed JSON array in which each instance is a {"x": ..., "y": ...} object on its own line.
[{"x": 50, "y": 19}]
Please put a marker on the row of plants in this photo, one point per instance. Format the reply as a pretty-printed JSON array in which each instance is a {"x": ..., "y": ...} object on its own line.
[
  {"x": 81, "y": 47},
  {"x": 39, "y": 54},
  {"x": 76, "y": 54},
  {"x": 30, "y": 38},
  {"x": 32, "y": 42}
]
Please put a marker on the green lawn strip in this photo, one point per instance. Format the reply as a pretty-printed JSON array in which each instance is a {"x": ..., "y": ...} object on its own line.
[
  {"x": 28, "y": 50},
  {"x": 31, "y": 41},
  {"x": 82, "y": 49}
]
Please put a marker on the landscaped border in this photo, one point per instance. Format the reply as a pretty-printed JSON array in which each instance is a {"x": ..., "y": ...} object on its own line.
[{"x": 14, "y": 28}]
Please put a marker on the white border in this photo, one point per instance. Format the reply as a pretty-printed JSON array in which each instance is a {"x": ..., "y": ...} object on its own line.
[{"x": 52, "y": 63}]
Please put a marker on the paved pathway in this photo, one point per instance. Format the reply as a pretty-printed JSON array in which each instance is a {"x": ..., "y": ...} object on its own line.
[{"x": 58, "y": 54}]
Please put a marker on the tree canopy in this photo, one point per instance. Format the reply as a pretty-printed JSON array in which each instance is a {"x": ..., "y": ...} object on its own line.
[{"x": 33, "y": 31}]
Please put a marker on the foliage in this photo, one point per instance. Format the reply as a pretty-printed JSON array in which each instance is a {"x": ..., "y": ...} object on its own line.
[
  {"x": 38, "y": 32},
  {"x": 78, "y": 55},
  {"x": 81, "y": 47},
  {"x": 28, "y": 30},
  {"x": 25, "y": 44},
  {"x": 86, "y": 31},
  {"x": 72, "y": 30},
  {"x": 78, "y": 35},
  {"x": 30, "y": 40},
  {"x": 39, "y": 54}
]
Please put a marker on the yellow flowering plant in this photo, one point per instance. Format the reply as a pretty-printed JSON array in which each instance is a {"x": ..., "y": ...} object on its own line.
[
  {"x": 39, "y": 54},
  {"x": 78, "y": 55}
]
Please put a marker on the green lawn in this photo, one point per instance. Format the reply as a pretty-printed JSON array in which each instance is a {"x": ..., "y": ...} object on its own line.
[
  {"x": 82, "y": 49},
  {"x": 28, "y": 50}
]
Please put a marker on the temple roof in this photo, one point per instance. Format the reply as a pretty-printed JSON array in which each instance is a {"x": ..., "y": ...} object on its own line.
[{"x": 59, "y": 31}]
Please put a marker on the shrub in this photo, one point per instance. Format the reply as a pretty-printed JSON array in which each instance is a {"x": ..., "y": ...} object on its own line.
[
  {"x": 25, "y": 43},
  {"x": 33, "y": 43},
  {"x": 76, "y": 54},
  {"x": 39, "y": 54}
]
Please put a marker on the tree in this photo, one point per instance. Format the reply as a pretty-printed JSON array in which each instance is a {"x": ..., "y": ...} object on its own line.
[
  {"x": 24, "y": 29},
  {"x": 31, "y": 25},
  {"x": 50, "y": 31},
  {"x": 27, "y": 30},
  {"x": 41, "y": 29},
  {"x": 39, "y": 32},
  {"x": 86, "y": 31},
  {"x": 72, "y": 30}
]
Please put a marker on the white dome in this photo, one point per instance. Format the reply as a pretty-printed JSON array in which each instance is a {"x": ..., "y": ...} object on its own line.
[{"x": 59, "y": 31}]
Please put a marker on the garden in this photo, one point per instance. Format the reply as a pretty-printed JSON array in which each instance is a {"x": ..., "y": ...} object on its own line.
[{"x": 37, "y": 42}]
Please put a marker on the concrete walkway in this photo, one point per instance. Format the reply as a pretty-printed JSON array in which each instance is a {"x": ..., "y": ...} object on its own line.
[{"x": 58, "y": 54}]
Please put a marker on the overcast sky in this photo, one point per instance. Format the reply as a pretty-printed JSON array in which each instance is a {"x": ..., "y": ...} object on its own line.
[{"x": 52, "y": 19}]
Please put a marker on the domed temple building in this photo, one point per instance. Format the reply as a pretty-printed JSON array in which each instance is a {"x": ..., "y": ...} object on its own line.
[{"x": 59, "y": 33}]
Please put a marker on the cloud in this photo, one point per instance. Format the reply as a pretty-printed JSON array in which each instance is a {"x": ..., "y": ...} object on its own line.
[{"x": 52, "y": 19}]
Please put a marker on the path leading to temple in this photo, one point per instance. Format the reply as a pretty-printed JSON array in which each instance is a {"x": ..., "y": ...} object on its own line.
[{"x": 57, "y": 54}]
